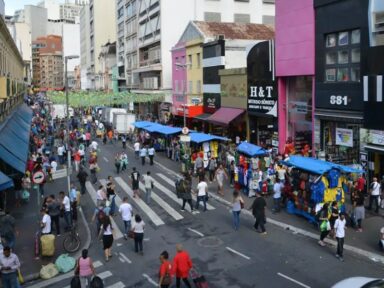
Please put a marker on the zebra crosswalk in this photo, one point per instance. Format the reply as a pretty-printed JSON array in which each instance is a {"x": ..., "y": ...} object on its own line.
[{"x": 164, "y": 205}]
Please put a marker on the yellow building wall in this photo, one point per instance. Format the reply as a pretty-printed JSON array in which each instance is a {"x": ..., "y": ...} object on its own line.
[
  {"x": 194, "y": 57},
  {"x": 3, "y": 87}
]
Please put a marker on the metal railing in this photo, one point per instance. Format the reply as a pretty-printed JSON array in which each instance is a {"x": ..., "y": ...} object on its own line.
[{"x": 8, "y": 105}]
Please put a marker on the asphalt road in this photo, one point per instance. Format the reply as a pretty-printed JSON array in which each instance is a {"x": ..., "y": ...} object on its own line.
[{"x": 227, "y": 258}]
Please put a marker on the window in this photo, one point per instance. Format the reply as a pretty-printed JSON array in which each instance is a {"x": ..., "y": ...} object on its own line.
[
  {"x": 190, "y": 87},
  {"x": 189, "y": 62},
  {"x": 242, "y": 18},
  {"x": 269, "y": 1},
  {"x": 268, "y": 20},
  {"x": 176, "y": 86},
  {"x": 241, "y": 0},
  {"x": 198, "y": 87},
  {"x": 198, "y": 60},
  {"x": 376, "y": 24},
  {"x": 342, "y": 56},
  {"x": 212, "y": 17},
  {"x": 176, "y": 63}
]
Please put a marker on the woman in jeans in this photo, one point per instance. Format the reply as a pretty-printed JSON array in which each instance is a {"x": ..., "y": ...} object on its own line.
[
  {"x": 138, "y": 229},
  {"x": 237, "y": 203},
  {"x": 85, "y": 269}
]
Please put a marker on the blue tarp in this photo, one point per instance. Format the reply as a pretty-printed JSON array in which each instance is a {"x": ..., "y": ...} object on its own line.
[
  {"x": 251, "y": 150},
  {"x": 201, "y": 137},
  {"x": 5, "y": 182},
  {"x": 158, "y": 128},
  {"x": 316, "y": 166},
  {"x": 142, "y": 124},
  {"x": 168, "y": 130}
]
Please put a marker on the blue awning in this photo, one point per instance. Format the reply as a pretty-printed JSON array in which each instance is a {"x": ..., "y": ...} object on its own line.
[
  {"x": 162, "y": 129},
  {"x": 12, "y": 160},
  {"x": 316, "y": 166},
  {"x": 198, "y": 137},
  {"x": 25, "y": 113},
  {"x": 251, "y": 150},
  {"x": 5, "y": 182},
  {"x": 142, "y": 124}
]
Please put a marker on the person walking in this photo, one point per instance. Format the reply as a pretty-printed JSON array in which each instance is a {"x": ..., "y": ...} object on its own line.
[
  {"x": 334, "y": 216},
  {"x": 374, "y": 194},
  {"x": 99, "y": 214},
  {"x": 93, "y": 168},
  {"x": 165, "y": 271},
  {"x": 151, "y": 154},
  {"x": 136, "y": 147},
  {"x": 111, "y": 195},
  {"x": 186, "y": 194},
  {"x": 9, "y": 265},
  {"x": 324, "y": 227},
  {"x": 107, "y": 233},
  {"x": 148, "y": 184},
  {"x": 277, "y": 189},
  {"x": 237, "y": 205},
  {"x": 182, "y": 264},
  {"x": 125, "y": 211},
  {"x": 82, "y": 177},
  {"x": 53, "y": 208},
  {"x": 219, "y": 176},
  {"x": 7, "y": 230},
  {"x": 66, "y": 207},
  {"x": 202, "y": 194},
  {"x": 85, "y": 269},
  {"x": 340, "y": 226},
  {"x": 211, "y": 168},
  {"x": 138, "y": 230},
  {"x": 135, "y": 178},
  {"x": 101, "y": 196},
  {"x": 73, "y": 199},
  {"x": 45, "y": 222},
  {"x": 359, "y": 209},
  {"x": 124, "y": 141},
  {"x": 143, "y": 154},
  {"x": 258, "y": 211}
]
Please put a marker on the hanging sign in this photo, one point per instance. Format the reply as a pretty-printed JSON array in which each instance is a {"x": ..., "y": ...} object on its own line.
[{"x": 344, "y": 137}]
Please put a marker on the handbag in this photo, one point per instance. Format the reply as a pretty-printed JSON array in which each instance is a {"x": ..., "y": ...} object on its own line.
[
  {"x": 241, "y": 204},
  {"x": 167, "y": 280},
  {"x": 20, "y": 277},
  {"x": 131, "y": 234}
]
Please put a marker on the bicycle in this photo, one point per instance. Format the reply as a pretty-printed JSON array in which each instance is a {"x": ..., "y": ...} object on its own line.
[{"x": 72, "y": 241}]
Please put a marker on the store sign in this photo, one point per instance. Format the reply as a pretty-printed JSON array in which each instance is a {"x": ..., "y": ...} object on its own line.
[
  {"x": 299, "y": 107},
  {"x": 211, "y": 102},
  {"x": 262, "y": 89},
  {"x": 376, "y": 137},
  {"x": 344, "y": 137}
]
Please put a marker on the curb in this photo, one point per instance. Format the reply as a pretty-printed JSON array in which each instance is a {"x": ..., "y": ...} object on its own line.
[
  {"x": 36, "y": 276},
  {"x": 372, "y": 256}
]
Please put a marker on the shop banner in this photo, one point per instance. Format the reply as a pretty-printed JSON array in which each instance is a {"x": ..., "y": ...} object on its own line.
[
  {"x": 344, "y": 137},
  {"x": 376, "y": 137},
  {"x": 211, "y": 102}
]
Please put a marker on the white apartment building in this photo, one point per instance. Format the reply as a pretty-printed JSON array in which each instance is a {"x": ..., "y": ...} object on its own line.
[
  {"x": 67, "y": 12},
  {"x": 120, "y": 45},
  {"x": 102, "y": 30},
  {"x": 85, "y": 55},
  {"x": 36, "y": 18},
  {"x": 152, "y": 27}
]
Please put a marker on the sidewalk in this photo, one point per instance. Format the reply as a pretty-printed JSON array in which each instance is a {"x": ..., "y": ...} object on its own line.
[
  {"x": 27, "y": 224},
  {"x": 365, "y": 243}
]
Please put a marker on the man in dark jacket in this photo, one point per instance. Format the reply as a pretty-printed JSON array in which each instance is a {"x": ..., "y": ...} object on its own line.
[
  {"x": 258, "y": 211},
  {"x": 82, "y": 176}
]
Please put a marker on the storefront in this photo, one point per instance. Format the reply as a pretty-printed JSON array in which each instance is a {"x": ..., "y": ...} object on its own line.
[{"x": 262, "y": 94}]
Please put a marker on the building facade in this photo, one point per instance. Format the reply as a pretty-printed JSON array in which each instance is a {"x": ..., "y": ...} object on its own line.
[
  {"x": 47, "y": 62},
  {"x": 107, "y": 61},
  {"x": 85, "y": 55},
  {"x": 120, "y": 43},
  {"x": 295, "y": 70},
  {"x": 11, "y": 65}
]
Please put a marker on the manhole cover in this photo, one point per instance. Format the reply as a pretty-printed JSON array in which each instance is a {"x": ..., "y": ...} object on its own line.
[{"x": 210, "y": 241}]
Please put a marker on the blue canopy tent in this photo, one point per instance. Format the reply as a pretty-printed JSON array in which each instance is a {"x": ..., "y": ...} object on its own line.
[
  {"x": 251, "y": 150},
  {"x": 5, "y": 182},
  {"x": 142, "y": 124},
  {"x": 316, "y": 166},
  {"x": 162, "y": 129},
  {"x": 198, "y": 137}
]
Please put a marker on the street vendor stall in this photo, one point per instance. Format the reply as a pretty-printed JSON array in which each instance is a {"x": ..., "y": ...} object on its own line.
[{"x": 312, "y": 183}]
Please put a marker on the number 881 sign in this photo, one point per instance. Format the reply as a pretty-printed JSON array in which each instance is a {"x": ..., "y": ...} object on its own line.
[{"x": 338, "y": 100}]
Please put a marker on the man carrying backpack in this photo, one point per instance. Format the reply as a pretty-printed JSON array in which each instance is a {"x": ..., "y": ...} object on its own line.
[{"x": 100, "y": 213}]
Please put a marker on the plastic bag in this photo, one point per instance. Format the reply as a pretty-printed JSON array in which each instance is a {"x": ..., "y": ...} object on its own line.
[
  {"x": 325, "y": 226},
  {"x": 65, "y": 263},
  {"x": 47, "y": 245},
  {"x": 48, "y": 271}
]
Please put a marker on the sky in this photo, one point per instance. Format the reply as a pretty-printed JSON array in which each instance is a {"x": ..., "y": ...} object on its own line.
[{"x": 12, "y": 5}]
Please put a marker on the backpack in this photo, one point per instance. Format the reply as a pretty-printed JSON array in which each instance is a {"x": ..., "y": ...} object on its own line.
[
  {"x": 101, "y": 214},
  {"x": 179, "y": 184}
]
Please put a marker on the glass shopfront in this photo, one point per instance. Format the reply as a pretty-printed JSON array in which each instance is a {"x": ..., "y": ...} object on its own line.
[{"x": 299, "y": 102}]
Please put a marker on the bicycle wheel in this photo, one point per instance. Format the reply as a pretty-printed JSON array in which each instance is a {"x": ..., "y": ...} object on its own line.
[{"x": 71, "y": 243}]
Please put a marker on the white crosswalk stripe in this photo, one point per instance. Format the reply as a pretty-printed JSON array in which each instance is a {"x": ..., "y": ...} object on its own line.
[
  {"x": 172, "y": 195},
  {"x": 176, "y": 215},
  {"x": 142, "y": 205},
  {"x": 92, "y": 193},
  {"x": 117, "y": 285}
]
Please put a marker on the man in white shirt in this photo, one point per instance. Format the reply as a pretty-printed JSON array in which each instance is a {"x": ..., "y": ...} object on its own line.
[
  {"x": 148, "y": 184},
  {"x": 374, "y": 194},
  {"x": 101, "y": 196},
  {"x": 143, "y": 154},
  {"x": 136, "y": 146},
  {"x": 125, "y": 210},
  {"x": 60, "y": 153},
  {"x": 66, "y": 206},
  {"x": 151, "y": 154},
  {"x": 9, "y": 264},
  {"x": 277, "y": 189},
  {"x": 340, "y": 226},
  {"x": 94, "y": 145},
  {"x": 45, "y": 223},
  {"x": 202, "y": 194}
]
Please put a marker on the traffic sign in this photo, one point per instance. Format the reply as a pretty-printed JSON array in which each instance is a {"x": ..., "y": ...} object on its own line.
[
  {"x": 38, "y": 177},
  {"x": 185, "y": 138},
  {"x": 185, "y": 130}
]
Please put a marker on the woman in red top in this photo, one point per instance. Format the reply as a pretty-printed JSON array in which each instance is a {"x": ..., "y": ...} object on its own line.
[
  {"x": 181, "y": 265},
  {"x": 165, "y": 276}
]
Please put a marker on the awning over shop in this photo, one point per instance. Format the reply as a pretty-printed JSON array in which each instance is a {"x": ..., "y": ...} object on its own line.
[
  {"x": 316, "y": 166},
  {"x": 197, "y": 137},
  {"x": 224, "y": 115},
  {"x": 142, "y": 124},
  {"x": 5, "y": 182},
  {"x": 157, "y": 128},
  {"x": 251, "y": 150},
  {"x": 203, "y": 116},
  {"x": 14, "y": 138}
]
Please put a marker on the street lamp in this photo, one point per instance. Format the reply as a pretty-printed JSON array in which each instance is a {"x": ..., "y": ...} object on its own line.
[
  {"x": 184, "y": 66},
  {"x": 66, "y": 58}
]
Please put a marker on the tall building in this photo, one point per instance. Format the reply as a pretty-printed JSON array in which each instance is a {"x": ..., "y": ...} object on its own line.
[
  {"x": 2, "y": 8},
  {"x": 47, "y": 62},
  {"x": 36, "y": 18},
  {"x": 120, "y": 53},
  {"x": 148, "y": 64},
  {"x": 67, "y": 12},
  {"x": 85, "y": 55},
  {"x": 102, "y": 29}
]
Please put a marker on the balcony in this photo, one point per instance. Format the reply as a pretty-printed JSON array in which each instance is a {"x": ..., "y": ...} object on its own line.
[{"x": 149, "y": 62}]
